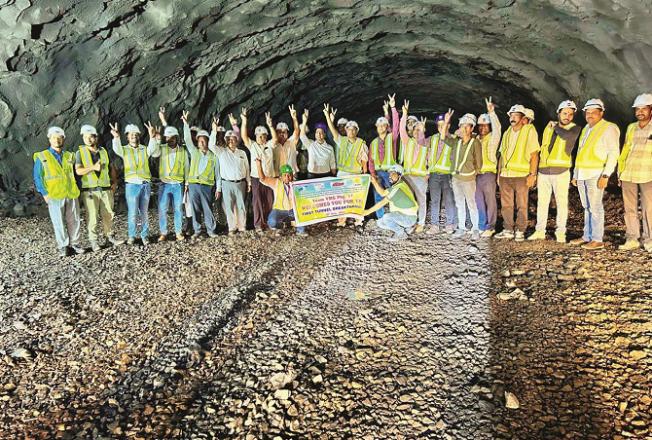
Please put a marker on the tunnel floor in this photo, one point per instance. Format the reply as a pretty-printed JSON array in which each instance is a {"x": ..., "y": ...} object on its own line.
[{"x": 340, "y": 335}]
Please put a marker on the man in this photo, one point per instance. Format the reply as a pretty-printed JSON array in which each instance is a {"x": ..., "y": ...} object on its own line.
[
  {"x": 382, "y": 150},
  {"x": 173, "y": 172},
  {"x": 555, "y": 162},
  {"x": 321, "y": 156},
  {"x": 439, "y": 180},
  {"x": 635, "y": 174},
  {"x": 414, "y": 157},
  {"x": 283, "y": 209},
  {"x": 519, "y": 157},
  {"x": 489, "y": 131},
  {"x": 341, "y": 126},
  {"x": 201, "y": 179},
  {"x": 352, "y": 152},
  {"x": 285, "y": 152},
  {"x": 233, "y": 180},
  {"x": 263, "y": 197},
  {"x": 99, "y": 180},
  {"x": 54, "y": 179},
  {"x": 137, "y": 176},
  {"x": 403, "y": 207},
  {"x": 529, "y": 116},
  {"x": 597, "y": 157}
]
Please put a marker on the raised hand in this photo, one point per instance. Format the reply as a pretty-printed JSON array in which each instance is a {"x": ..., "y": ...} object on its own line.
[
  {"x": 386, "y": 107},
  {"x": 304, "y": 118},
  {"x": 448, "y": 116},
  {"x": 243, "y": 114},
  {"x": 215, "y": 123},
  {"x": 423, "y": 120},
  {"x": 232, "y": 119},
  {"x": 392, "y": 100},
  {"x": 184, "y": 116},
  {"x": 268, "y": 119},
  {"x": 406, "y": 107},
  {"x": 293, "y": 111},
  {"x": 114, "y": 130},
  {"x": 490, "y": 105},
  {"x": 151, "y": 129},
  {"x": 161, "y": 115}
]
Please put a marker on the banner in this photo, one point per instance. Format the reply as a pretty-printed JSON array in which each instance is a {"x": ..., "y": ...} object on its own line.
[{"x": 319, "y": 200}]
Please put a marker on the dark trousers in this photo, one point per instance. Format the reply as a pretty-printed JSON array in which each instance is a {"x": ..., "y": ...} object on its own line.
[
  {"x": 262, "y": 199},
  {"x": 318, "y": 175},
  {"x": 514, "y": 188},
  {"x": 485, "y": 198}
]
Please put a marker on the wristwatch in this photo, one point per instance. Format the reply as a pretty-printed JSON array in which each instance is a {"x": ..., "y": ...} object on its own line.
[{"x": 605, "y": 176}]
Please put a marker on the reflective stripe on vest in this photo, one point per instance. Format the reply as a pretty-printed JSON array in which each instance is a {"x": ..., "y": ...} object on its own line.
[
  {"x": 282, "y": 198},
  {"x": 91, "y": 180},
  {"x": 172, "y": 171},
  {"x": 519, "y": 160},
  {"x": 207, "y": 177},
  {"x": 348, "y": 154},
  {"x": 459, "y": 164},
  {"x": 441, "y": 164},
  {"x": 58, "y": 178},
  {"x": 388, "y": 159},
  {"x": 558, "y": 157},
  {"x": 414, "y": 159},
  {"x": 487, "y": 165},
  {"x": 586, "y": 155},
  {"x": 404, "y": 188},
  {"x": 627, "y": 147},
  {"x": 136, "y": 162}
]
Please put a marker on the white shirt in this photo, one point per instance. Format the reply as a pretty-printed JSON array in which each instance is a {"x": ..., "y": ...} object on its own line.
[
  {"x": 266, "y": 155},
  {"x": 152, "y": 151},
  {"x": 233, "y": 166},
  {"x": 607, "y": 149},
  {"x": 321, "y": 157},
  {"x": 286, "y": 154}
]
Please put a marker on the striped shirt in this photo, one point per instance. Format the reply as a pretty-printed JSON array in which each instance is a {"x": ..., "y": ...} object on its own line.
[{"x": 638, "y": 166}]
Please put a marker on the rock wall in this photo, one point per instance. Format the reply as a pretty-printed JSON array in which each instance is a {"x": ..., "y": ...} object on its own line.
[{"x": 74, "y": 62}]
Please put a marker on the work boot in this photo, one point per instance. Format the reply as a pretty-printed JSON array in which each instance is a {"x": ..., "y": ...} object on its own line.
[
  {"x": 78, "y": 249},
  {"x": 94, "y": 246},
  {"x": 593, "y": 245},
  {"x": 399, "y": 236},
  {"x": 63, "y": 252},
  {"x": 561, "y": 237},
  {"x": 488, "y": 233},
  {"x": 162, "y": 237},
  {"x": 180, "y": 237},
  {"x": 537, "y": 235},
  {"x": 212, "y": 234},
  {"x": 131, "y": 241},
  {"x": 475, "y": 235},
  {"x": 233, "y": 232},
  {"x": 450, "y": 229},
  {"x": 433, "y": 230},
  {"x": 459, "y": 233},
  {"x": 145, "y": 241},
  {"x": 504, "y": 234},
  {"x": 648, "y": 246},
  {"x": 114, "y": 241},
  {"x": 629, "y": 245},
  {"x": 418, "y": 229},
  {"x": 519, "y": 236},
  {"x": 577, "y": 241},
  {"x": 195, "y": 236}
]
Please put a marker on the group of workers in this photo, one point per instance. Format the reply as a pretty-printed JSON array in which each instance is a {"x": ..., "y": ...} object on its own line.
[{"x": 460, "y": 169}]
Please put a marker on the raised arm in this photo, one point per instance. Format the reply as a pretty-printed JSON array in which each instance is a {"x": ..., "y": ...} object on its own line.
[
  {"x": 395, "y": 118},
  {"x": 243, "y": 128},
  {"x": 330, "y": 113},
  {"x": 161, "y": 116},
  {"x": 305, "y": 141},
  {"x": 496, "y": 128},
  {"x": 267, "y": 181},
  {"x": 270, "y": 126},
  {"x": 117, "y": 143},
  {"x": 187, "y": 135},
  {"x": 234, "y": 126},
  {"x": 154, "y": 145},
  {"x": 295, "y": 124},
  {"x": 212, "y": 139}
]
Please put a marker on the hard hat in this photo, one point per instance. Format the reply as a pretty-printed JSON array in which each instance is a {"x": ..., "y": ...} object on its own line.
[
  {"x": 56, "y": 131},
  {"x": 518, "y": 108},
  {"x": 88, "y": 129},
  {"x": 440, "y": 117},
  {"x": 382, "y": 121},
  {"x": 282, "y": 126},
  {"x": 321, "y": 125},
  {"x": 352, "y": 124},
  {"x": 468, "y": 119},
  {"x": 566, "y": 104},
  {"x": 230, "y": 133},
  {"x": 286, "y": 169},
  {"x": 412, "y": 118},
  {"x": 529, "y": 113},
  {"x": 260, "y": 130},
  {"x": 594, "y": 103},
  {"x": 396, "y": 168},
  {"x": 132, "y": 128},
  {"x": 220, "y": 129},
  {"x": 342, "y": 121},
  {"x": 643, "y": 100},
  {"x": 484, "y": 119},
  {"x": 203, "y": 133},
  {"x": 170, "y": 131},
  {"x": 194, "y": 128}
]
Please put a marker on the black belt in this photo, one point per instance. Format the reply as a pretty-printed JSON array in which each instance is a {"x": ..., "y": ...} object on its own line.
[
  {"x": 97, "y": 188},
  {"x": 234, "y": 181}
]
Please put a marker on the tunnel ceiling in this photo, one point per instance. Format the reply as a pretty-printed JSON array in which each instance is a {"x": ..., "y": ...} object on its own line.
[{"x": 73, "y": 62}]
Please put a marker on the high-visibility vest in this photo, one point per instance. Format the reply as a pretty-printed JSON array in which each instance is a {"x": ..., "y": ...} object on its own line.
[
  {"x": 388, "y": 159},
  {"x": 457, "y": 166},
  {"x": 558, "y": 157},
  {"x": 207, "y": 177},
  {"x": 406, "y": 210},
  {"x": 348, "y": 154},
  {"x": 176, "y": 172},
  {"x": 415, "y": 164},
  {"x": 92, "y": 180},
  {"x": 587, "y": 157},
  {"x": 627, "y": 147},
  {"x": 58, "y": 178},
  {"x": 441, "y": 164},
  {"x": 282, "y": 199},
  {"x": 488, "y": 166},
  {"x": 519, "y": 160},
  {"x": 136, "y": 162}
]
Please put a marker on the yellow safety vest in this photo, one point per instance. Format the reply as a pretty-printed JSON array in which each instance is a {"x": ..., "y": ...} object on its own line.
[
  {"x": 91, "y": 180},
  {"x": 488, "y": 166},
  {"x": 558, "y": 157},
  {"x": 457, "y": 167},
  {"x": 176, "y": 172},
  {"x": 441, "y": 165},
  {"x": 410, "y": 208},
  {"x": 415, "y": 166},
  {"x": 136, "y": 162},
  {"x": 282, "y": 199},
  {"x": 587, "y": 157},
  {"x": 348, "y": 154},
  {"x": 207, "y": 177},
  {"x": 519, "y": 160},
  {"x": 58, "y": 178},
  {"x": 388, "y": 159},
  {"x": 627, "y": 147}
]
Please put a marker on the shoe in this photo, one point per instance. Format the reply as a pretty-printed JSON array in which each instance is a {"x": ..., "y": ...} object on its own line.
[
  {"x": 260, "y": 231},
  {"x": 195, "y": 236},
  {"x": 145, "y": 241},
  {"x": 63, "y": 252},
  {"x": 504, "y": 234},
  {"x": 629, "y": 245},
  {"x": 561, "y": 237},
  {"x": 648, "y": 246},
  {"x": 475, "y": 235},
  {"x": 398, "y": 236},
  {"x": 94, "y": 246},
  {"x": 519, "y": 236},
  {"x": 537, "y": 235},
  {"x": 450, "y": 229},
  {"x": 459, "y": 233},
  {"x": 302, "y": 233},
  {"x": 577, "y": 241},
  {"x": 488, "y": 233},
  {"x": 593, "y": 245},
  {"x": 114, "y": 241},
  {"x": 433, "y": 230},
  {"x": 419, "y": 229},
  {"x": 162, "y": 237},
  {"x": 131, "y": 241},
  {"x": 181, "y": 237},
  {"x": 277, "y": 232},
  {"x": 233, "y": 232},
  {"x": 78, "y": 250},
  {"x": 212, "y": 235}
]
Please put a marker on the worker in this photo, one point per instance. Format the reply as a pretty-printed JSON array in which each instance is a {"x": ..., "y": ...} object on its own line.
[
  {"x": 489, "y": 131},
  {"x": 439, "y": 180},
  {"x": 529, "y": 116},
  {"x": 321, "y": 155},
  {"x": 285, "y": 151}
]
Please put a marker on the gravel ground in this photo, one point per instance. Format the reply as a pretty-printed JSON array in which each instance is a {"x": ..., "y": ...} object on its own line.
[{"x": 338, "y": 335}]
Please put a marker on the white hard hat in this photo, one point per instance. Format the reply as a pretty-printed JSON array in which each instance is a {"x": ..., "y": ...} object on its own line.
[
  {"x": 396, "y": 168},
  {"x": 594, "y": 103},
  {"x": 484, "y": 119},
  {"x": 529, "y": 113},
  {"x": 220, "y": 128},
  {"x": 567, "y": 104},
  {"x": 260, "y": 130},
  {"x": 342, "y": 121},
  {"x": 230, "y": 133},
  {"x": 194, "y": 128},
  {"x": 468, "y": 119},
  {"x": 56, "y": 131},
  {"x": 282, "y": 126},
  {"x": 382, "y": 121},
  {"x": 131, "y": 128},
  {"x": 518, "y": 108},
  {"x": 170, "y": 131},
  {"x": 352, "y": 124},
  {"x": 643, "y": 100},
  {"x": 412, "y": 118},
  {"x": 203, "y": 133},
  {"x": 88, "y": 129}
]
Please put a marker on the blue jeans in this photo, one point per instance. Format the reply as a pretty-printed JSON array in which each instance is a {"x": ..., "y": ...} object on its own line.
[
  {"x": 201, "y": 198},
  {"x": 137, "y": 204},
  {"x": 591, "y": 198},
  {"x": 397, "y": 223},
  {"x": 485, "y": 199},
  {"x": 278, "y": 217},
  {"x": 383, "y": 179},
  {"x": 439, "y": 184},
  {"x": 167, "y": 191}
]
